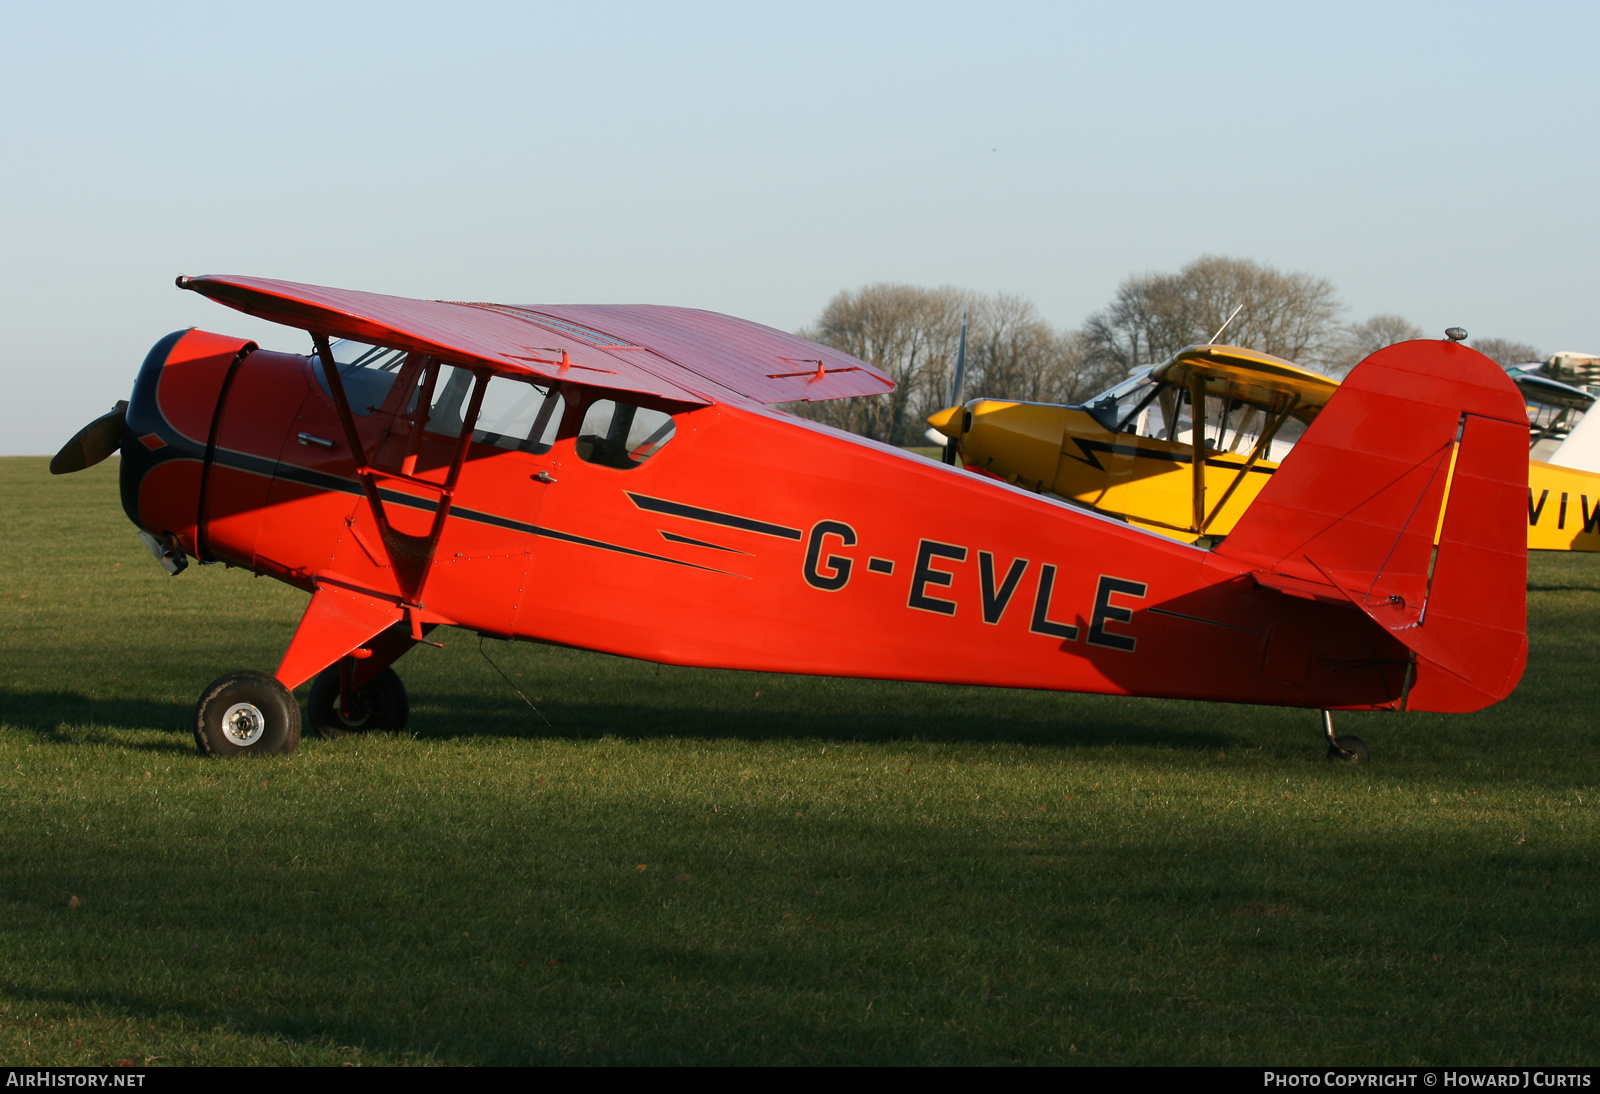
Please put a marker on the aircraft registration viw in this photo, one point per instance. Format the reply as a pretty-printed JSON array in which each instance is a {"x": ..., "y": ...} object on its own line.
[{"x": 617, "y": 478}]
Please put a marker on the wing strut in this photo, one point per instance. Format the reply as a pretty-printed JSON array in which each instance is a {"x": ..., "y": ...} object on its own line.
[{"x": 410, "y": 556}]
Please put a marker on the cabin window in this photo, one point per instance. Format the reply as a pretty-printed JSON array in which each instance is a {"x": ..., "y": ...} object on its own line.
[
  {"x": 622, "y": 435},
  {"x": 519, "y": 414},
  {"x": 366, "y": 372},
  {"x": 1290, "y": 432},
  {"x": 515, "y": 414},
  {"x": 452, "y": 390},
  {"x": 1232, "y": 427}
]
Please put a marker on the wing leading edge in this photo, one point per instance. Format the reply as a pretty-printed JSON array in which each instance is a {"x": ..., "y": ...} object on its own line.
[{"x": 682, "y": 354}]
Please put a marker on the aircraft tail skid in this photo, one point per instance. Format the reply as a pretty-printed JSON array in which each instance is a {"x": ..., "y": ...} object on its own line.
[{"x": 1405, "y": 498}]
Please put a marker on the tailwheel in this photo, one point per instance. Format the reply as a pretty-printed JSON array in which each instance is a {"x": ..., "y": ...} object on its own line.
[
  {"x": 247, "y": 713},
  {"x": 381, "y": 703},
  {"x": 1351, "y": 750}
]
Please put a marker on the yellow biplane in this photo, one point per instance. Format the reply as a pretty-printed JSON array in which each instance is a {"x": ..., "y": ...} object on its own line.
[{"x": 1184, "y": 447}]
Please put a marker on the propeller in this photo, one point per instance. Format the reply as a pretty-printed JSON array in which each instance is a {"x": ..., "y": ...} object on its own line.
[
  {"x": 93, "y": 443},
  {"x": 951, "y": 446}
]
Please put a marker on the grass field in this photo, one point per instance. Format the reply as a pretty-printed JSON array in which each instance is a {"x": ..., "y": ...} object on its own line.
[{"x": 692, "y": 866}]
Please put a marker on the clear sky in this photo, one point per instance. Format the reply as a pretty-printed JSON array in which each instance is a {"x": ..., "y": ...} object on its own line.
[{"x": 1434, "y": 160}]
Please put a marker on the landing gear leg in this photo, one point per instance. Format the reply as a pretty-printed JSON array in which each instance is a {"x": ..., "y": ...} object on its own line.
[{"x": 1352, "y": 750}]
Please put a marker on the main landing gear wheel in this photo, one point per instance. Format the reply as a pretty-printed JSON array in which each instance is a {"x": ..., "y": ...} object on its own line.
[
  {"x": 1351, "y": 750},
  {"x": 247, "y": 713},
  {"x": 379, "y": 704}
]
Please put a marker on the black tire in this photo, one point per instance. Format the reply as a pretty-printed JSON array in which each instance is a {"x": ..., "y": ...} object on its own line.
[
  {"x": 247, "y": 713},
  {"x": 1352, "y": 750},
  {"x": 380, "y": 704}
]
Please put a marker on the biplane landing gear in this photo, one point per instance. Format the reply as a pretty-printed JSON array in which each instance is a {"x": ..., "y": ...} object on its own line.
[
  {"x": 247, "y": 713},
  {"x": 379, "y": 704},
  {"x": 1352, "y": 750}
]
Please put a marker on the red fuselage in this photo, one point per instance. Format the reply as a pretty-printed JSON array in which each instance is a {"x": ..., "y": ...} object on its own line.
[{"x": 751, "y": 539}]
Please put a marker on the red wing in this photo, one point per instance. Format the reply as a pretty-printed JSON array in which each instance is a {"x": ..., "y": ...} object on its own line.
[
  {"x": 758, "y": 362},
  {"x": 676, "y": 353}
]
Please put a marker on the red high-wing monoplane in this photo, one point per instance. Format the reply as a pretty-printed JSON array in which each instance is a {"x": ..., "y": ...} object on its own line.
[{"x": 613, "y": 478}]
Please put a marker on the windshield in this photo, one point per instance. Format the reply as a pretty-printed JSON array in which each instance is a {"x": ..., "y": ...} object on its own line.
[
  {"x": 1120, "y": 408},
  {"x": 367, "y": 373}
]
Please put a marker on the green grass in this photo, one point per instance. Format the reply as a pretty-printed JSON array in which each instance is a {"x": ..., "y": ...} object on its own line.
[{"x": 693, "y": 866}]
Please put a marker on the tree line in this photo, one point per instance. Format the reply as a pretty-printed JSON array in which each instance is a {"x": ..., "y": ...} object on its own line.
[{"x": 912, "y": 333}]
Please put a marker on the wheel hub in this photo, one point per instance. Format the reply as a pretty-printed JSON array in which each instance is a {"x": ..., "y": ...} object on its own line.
[
  {"x": 361, "y": 708},
  {"x": 243, "y": 724}
]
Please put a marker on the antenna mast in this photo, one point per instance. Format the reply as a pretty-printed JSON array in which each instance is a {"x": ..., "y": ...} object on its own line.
[{"x": 1224, "y": 326}]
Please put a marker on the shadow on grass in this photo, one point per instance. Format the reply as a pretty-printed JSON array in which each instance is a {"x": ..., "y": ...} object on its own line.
[
  {"x": 965, "y": 715},
  {"x": 63, "y": 717},
  {"x": 1117, "y": 722},
  {"x": 304, "y": 1033}
]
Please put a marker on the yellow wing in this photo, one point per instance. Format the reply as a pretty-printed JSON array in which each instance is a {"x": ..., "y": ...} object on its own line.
[{"x": 1247, "y": 376}]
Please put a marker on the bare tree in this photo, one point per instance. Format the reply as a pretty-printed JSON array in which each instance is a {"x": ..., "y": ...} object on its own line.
[
  {"x": 1014, "y": 354},
  {"x": 1291, "y": 315},
  {"x": 1358, "y": 341},
  {"x": 913, "y": 334},
  {"x": 1504, "y": 352},
  {"x": 1079, "y": 374},
  {"x": 906, "y": 331}
]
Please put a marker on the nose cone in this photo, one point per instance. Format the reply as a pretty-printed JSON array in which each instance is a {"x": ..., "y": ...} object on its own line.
[
  {"x": 1019, "y": 441},
  {"x": 948, "y": 421}
]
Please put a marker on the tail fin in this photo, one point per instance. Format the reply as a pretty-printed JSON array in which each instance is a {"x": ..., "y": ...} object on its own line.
[{"x": 1405, "y": 497}]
